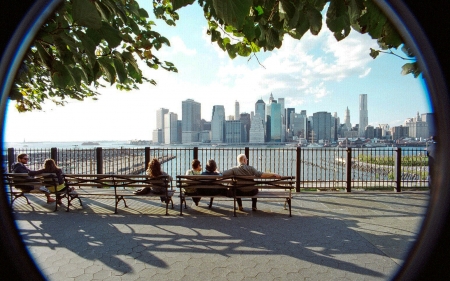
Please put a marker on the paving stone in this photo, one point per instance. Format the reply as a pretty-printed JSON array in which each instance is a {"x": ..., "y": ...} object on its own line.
[{"x": 332, "y": 236}]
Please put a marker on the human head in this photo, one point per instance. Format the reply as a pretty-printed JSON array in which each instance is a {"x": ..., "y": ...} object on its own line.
[
  {"x": 211, "y": 166},
  {"x": 50, "y": 165},
  {"x": 242, "y": 159},
  {"x": 22, "y": 158},
  {"x": 154, "y": 168},
  {"x": 196, "y": 164}
]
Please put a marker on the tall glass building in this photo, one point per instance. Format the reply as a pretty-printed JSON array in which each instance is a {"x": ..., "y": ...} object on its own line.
[{"x": 218, "y": 124}]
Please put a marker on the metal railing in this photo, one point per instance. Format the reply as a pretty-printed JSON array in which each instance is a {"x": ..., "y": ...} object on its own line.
[{"x": 314, "y": 168}]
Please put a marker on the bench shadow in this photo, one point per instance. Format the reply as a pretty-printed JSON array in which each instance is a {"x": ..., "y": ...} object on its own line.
[{"x": 156, "y": 241}]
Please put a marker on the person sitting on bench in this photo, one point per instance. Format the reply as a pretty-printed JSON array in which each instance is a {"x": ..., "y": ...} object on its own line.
[{"x": 245, "y": 170}]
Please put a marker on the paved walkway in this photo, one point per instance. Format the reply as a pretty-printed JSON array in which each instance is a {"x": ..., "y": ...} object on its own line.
[{"x": 331, "y": 236}]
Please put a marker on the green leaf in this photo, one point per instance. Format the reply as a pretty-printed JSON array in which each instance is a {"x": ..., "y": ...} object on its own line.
[
  {"x": 60, "y": 76},
  {"x": 372, "y": 21},
  {"x": 131, "y": 61},
  {"x": 85, "y": 13},
  {"x": 338, "y": 20},
  {"x": 233, "y": 12},
  {"x": 111, "y": 35},
  {"x": 413, "y": 68},
  {"x": 45, "y": 57},
  {"x": 315, "y": 20},
  {"x": 176, "y": 4},
  {"x": 120, "y": 70},
  {"x": 374, "y": 53},
  {"x": 108, "y": 69}
]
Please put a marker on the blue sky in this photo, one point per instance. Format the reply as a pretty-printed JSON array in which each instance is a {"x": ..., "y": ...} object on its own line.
[{"x": 314, "y": 74}]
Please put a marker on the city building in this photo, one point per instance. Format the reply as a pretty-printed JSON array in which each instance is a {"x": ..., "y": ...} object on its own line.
[
  {"x": 191, "y": 120},
  {"x": 246, "y": 123},
  {"x": 321, "y": 127},
  {"x": 399, "y": 132},
  {"x": 171, "y": 135},
  {"x": 417, "y": 128},
  {"x": 298, "y": 125},
  {"x": 233, "y": 131},
  {"x": 236, "y": 110},
  {"x": 363, "y": 114},
  {"x": 347, "y": 119},
  {"x": 276, "y": 122},
  {"x": 257, "y": 129},
  {"x": 160, "y": 125},
  {"x": 218, "y": 124}
]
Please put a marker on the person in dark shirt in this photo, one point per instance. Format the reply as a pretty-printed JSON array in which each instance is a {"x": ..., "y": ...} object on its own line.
[
  {"x": 51, "y": 167},
  {"x": 19, "y": 167},
  {"x": 210, "y": 170}
]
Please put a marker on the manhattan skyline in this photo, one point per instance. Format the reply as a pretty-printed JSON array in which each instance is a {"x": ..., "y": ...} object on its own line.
[{"x": 313, "y": 74}]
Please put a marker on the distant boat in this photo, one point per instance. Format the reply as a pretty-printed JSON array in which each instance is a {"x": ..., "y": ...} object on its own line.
[{"x": 90, "y": 143}]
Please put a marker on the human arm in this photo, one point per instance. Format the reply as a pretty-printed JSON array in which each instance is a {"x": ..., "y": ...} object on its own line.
[
  {"x": 270, "y": 175},
  {"x": 35, "y": 173}
]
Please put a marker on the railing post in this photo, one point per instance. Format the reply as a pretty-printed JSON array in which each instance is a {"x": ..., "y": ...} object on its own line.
[
  {"x": 398, "y": 169},
  {"x": 195, "y": 156},
  {"x": 247, "y": 154},
  {"x": 54, "y": 154},
  {"x": 11, "y": 158},
  {"x": 348, "y": 166},
  {"x": 298, "y": 169},
  {"x": 99, "y": 160},
  {"x": 146, "y": 157}
]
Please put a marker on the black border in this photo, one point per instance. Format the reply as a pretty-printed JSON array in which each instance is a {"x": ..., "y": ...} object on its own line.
[{"x": 424, "y": 25}]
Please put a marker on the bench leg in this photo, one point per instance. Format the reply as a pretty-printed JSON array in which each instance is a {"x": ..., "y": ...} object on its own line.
[
  {"x": 16, "y": 195},
  {"x": 289, "y": 203},
  {"x": 210, "y": 202},
  {"x": 181, "y": 203}
]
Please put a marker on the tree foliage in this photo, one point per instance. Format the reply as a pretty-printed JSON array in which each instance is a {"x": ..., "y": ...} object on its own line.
[
  {"x": 242, "y": 27},
  {"x": 87, "y": 42}
]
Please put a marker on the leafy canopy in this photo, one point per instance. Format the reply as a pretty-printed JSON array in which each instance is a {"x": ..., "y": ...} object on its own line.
[{"x": 89, "y": 42}]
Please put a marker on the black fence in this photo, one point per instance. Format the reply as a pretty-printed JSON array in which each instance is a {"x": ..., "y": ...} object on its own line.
[{"x": 314, "y": 168}]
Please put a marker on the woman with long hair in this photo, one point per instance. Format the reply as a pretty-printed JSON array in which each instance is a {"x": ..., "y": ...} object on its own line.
[
  {"x": 51, "y": 167},
  {"x": 154, "y": 171}
]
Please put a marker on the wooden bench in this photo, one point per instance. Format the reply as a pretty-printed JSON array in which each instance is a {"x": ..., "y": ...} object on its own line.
[
  {"x": 268, "y": 187},
  {"x": 118, "y": 186},
  {"x": 20, "y": 183}
]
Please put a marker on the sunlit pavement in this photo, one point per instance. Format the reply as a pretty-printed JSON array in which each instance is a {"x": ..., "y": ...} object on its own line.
[{"x": 331, "y": 236}]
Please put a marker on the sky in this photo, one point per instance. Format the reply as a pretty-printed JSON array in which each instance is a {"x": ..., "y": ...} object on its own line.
[{"x": 316, "y": 73}]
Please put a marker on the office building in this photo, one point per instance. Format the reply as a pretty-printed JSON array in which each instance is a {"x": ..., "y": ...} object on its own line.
[
  {"x": 246, "y": 122},
  {"x": 363, "y": 114},
  {"x": 160, "y": 125},
  {"x": 233, "y": 131},
  {"x": 321, "y": 124},
  {"x": 275, "y": 122},
  {"x": 347, "y": 119},
  {"x": 417, "y": 128},
  {"x": 171, "y": 128},
  {"x": 299, "y": 125},
  {"x": 256, "y": 133},
  {"x": 236, "y": 110},
  {"x": 218, "y": 124},
  {"x": 191, "y": 120}
]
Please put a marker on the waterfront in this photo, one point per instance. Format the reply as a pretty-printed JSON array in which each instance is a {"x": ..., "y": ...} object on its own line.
[{"x": 328, "y": 168}]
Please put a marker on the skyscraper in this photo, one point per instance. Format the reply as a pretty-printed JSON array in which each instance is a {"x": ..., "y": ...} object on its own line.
[
  {"x": 245, "y": 120},
  {"x": 347, "y": 119},
  {"x": 275, "y": 122},
  {"x": 260, "y": 108},
  {"x": 322, "y": 126},
  {"x": 363, "y": 115},
  {"x": 191, "y": 122},
  {"x": 171, "y": 128},
  {"x": 257, "y": 129},
  {"x": 236, "y": 110},
  {"x": 218, "y": 124},
  {"x": 160, "y": 125}
]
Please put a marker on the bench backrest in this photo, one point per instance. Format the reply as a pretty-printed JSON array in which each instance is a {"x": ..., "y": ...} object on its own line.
[
  {"x": 23, "y": 180},
  {"x": 236, "y": 181},
  {"x": 106, "y": 180}
]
